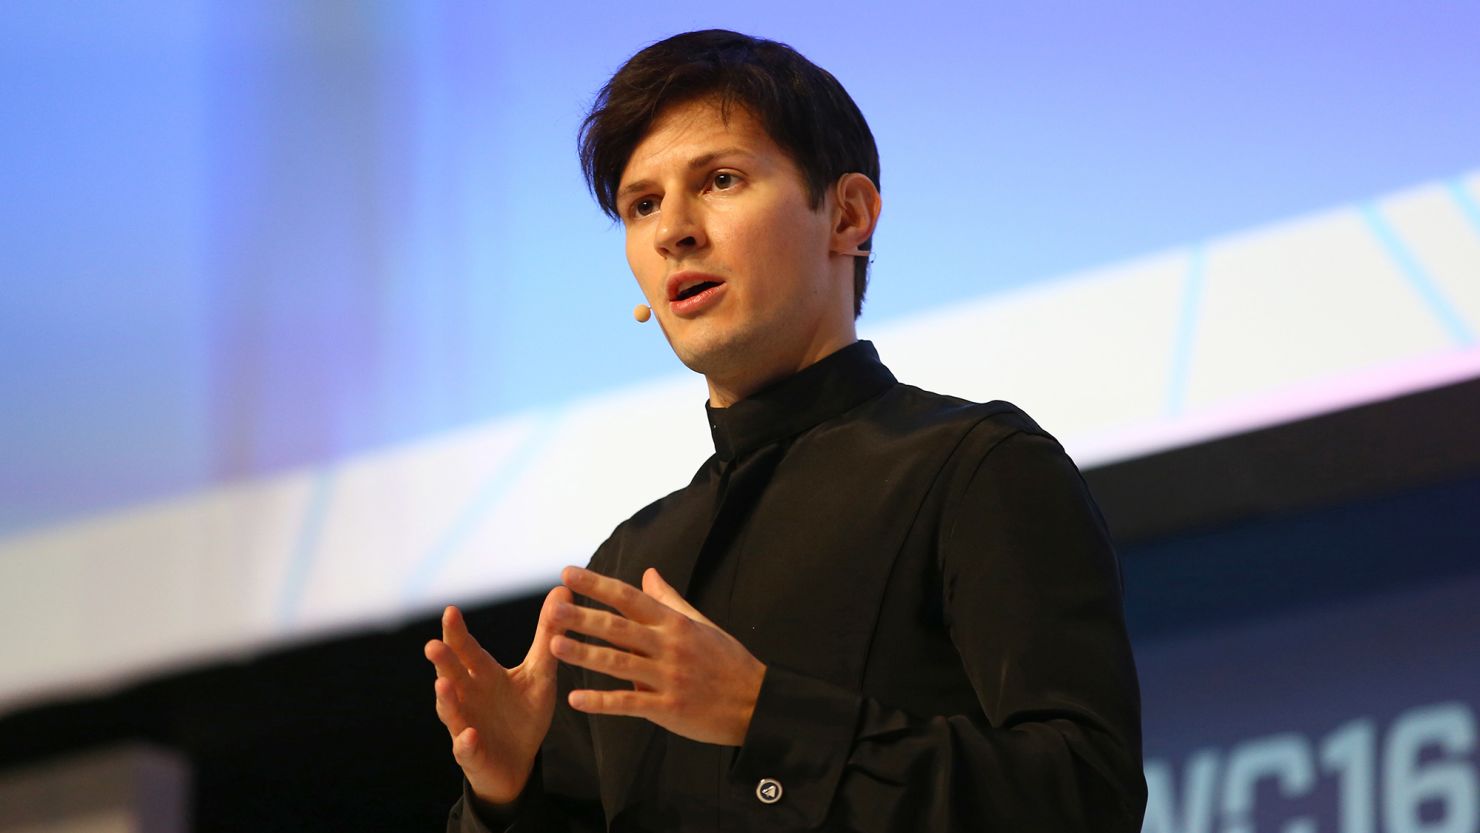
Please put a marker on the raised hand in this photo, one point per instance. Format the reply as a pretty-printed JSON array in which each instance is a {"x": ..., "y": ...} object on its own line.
[
  {"x": 497, "y": 716},
  {"x": 688, "y": 676}
]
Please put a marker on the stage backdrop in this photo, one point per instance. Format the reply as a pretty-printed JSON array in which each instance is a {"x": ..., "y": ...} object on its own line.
[{"x": 309, "y": 323}]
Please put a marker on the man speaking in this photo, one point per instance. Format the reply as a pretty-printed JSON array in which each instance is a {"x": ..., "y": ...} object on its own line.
[{"x": 874, "y": 608}]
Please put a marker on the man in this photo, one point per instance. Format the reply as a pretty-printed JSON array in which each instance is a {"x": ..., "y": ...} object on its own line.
[{"x": 874, "y": 608}]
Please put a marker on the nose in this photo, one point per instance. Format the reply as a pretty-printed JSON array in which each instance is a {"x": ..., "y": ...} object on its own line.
[{"x": 680, "y": 228}]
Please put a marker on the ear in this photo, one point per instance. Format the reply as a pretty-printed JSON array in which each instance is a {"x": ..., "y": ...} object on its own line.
[{"x": 856, "y": 207}]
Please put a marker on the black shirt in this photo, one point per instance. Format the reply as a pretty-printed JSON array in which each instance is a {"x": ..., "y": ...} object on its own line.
[{"x": 938, "y": 604}]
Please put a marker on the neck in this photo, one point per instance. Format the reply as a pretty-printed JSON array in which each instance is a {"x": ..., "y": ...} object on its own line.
[{"x": 726, "y": 391}]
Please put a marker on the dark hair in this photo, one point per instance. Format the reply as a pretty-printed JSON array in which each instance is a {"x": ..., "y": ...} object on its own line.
[{"x": 801, "y": 106}]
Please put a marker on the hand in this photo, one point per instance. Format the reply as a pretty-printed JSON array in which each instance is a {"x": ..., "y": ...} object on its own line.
[
  {"x": 688, "y": 676},
  {"x": 497, "y": 717}
]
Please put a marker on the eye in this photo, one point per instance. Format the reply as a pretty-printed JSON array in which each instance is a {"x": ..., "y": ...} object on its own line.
[
  {"x": 724, "y": 180},
  {"x": 642, "y": 207}
]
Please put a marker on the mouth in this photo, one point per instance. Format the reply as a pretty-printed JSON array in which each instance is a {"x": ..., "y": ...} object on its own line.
[
  {"x": 685, "y": 285},
  {"x": 694, "y": 289},
  {"x": 691, "y": 293}
]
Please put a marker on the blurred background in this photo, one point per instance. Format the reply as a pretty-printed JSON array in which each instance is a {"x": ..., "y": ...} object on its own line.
[{"x": 309, "y": 328}]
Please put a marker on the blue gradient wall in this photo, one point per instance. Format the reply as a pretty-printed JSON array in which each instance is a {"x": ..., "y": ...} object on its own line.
[{"x": 242, "y": 237}]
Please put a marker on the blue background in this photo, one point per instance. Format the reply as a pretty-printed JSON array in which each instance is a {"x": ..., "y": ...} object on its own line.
[{"x": 243, "y": 237}]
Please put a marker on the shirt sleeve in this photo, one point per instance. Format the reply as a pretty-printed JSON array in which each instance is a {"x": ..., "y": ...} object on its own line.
[{"x": 1033, "y": 603}]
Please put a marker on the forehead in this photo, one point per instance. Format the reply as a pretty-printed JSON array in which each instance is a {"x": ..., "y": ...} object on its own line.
[{"x": 685, "y": 131}]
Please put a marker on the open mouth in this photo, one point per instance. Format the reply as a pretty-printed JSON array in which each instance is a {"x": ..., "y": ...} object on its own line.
[{"x": 691, "y": 291}]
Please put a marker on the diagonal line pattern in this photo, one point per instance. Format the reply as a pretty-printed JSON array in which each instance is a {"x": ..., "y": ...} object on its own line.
[
  {"x": 1467, "y": 204},
  {"x": 1186, "y": 330},
  {"x": 306, "y": 547},
  {"x": 488, "y": 496},
  {"x": 1418, "y": 277}
]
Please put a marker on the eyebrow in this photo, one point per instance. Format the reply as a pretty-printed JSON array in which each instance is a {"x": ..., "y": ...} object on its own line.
[{"x": 700, "y": 161}]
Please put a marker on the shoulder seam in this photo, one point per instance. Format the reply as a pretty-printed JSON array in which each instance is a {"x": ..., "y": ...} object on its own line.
[{"x": 950, "y": 530}]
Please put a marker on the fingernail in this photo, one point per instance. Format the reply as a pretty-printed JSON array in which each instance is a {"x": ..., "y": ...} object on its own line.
[{"x": 579, "y": 699}]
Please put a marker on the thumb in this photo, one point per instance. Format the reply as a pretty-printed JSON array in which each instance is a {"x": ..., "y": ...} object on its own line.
[
  {"x": 654, "y": 585},
  {"x": 539, "y": 655}
]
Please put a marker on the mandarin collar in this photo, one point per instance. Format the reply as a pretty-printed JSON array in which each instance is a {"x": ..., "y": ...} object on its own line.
[{"x": 814, "y": 394}]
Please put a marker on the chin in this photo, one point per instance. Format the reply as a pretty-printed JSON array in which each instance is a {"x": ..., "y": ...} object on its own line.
[{"x": 716, "y": 354}]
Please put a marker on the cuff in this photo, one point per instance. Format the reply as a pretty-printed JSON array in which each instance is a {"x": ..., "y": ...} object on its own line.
[{"x": 799, "y": 737}]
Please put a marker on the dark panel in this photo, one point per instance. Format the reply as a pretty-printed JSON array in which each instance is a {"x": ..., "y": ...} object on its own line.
[
  {"x": 1380, "y": 448},
  {"x": 341, "y": 735},
  {"x": 1260, "y": 567}
]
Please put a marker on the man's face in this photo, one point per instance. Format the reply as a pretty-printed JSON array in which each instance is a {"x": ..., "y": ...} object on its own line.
[{"x": 725, "y": 247}]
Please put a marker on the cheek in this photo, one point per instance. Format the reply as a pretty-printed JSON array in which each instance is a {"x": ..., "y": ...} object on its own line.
[
  {"x": 799, "y": 230},
  {"x": 760, "y": 240},
  {"x": 793, "y": 243},
  {"x": 645, "y": 265}
]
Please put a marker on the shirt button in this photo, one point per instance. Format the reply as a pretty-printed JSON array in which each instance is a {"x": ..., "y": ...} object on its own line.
[{"x": 768, "y": 791}]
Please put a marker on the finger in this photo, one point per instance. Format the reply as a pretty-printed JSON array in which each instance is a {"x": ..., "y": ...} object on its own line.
[
  {"x": 448, "y": 665},
  {"x": 610, "y": 627},
  {"x": 623, "y": 665},
  {"x": 654, "y": 585},
  {"x": 455, "y": 634},
  {"x": 449, "y": 707},
  {"x": 539, "y": 650},
  {"x": 631, "y": 602},
  {"x": 465, "y": 748},
  {"x": 618, "y": 702}
]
